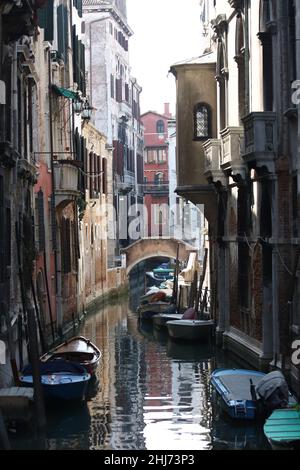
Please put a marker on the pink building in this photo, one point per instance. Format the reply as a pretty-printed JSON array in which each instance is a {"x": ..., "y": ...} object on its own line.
[{"x": 156, "y": 170}]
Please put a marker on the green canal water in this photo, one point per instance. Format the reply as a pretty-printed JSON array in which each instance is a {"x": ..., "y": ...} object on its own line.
[{"x": 150, "y": 393}]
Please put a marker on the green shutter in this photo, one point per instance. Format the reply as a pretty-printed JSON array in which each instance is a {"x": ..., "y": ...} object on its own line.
[
  {"x": 45, "y": 20},
  {"x": 62, "y": 32}
]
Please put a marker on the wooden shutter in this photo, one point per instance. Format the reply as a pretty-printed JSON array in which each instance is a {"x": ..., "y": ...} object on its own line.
[{"x": 45, "y": 20}]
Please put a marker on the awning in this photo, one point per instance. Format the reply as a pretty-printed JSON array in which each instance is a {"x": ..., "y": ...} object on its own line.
[{"x": 71, "y": 95}]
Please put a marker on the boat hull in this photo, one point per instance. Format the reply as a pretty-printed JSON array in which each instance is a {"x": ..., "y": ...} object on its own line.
[
  {"x": 61, "y": 391},
  {"x": 60, "y": 380},
  {"x": 191, "y": 330}
]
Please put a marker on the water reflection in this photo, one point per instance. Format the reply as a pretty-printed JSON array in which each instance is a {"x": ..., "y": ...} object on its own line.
[{"x": 150, "y": 393}]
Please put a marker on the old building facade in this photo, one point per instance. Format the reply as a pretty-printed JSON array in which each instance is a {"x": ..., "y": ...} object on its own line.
[
  {"x": 56, "y": 179},
  {"x": 248, "y": 123}
]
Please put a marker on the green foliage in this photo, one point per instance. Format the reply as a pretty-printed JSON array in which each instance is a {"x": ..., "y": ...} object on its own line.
[{"x": 81, "y": 204}]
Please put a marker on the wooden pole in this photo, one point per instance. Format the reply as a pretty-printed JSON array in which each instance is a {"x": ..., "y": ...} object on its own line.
[
  {"x": 11, "y": 346},
  {"x": 202, "y": 279},
  {"x": 3, "y": 434},
  {"x": 193, "y": 291},
  {"x": 35, "y": 364},
  {"x": 175, "y": 284}
]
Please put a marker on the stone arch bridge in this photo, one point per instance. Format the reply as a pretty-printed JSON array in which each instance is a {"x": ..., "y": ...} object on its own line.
[{"x": 147, "y": 248}]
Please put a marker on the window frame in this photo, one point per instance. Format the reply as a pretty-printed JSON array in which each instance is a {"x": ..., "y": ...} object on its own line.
[{"x": 197, "y": 108}]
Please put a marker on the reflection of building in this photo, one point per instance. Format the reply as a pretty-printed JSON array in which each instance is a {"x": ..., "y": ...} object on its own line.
[
  {"x": 156, "y": 171},
  {"x": 237, "y": 154}
]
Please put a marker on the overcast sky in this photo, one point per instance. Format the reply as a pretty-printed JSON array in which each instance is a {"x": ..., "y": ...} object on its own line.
[{"x": 165, "y": 32}]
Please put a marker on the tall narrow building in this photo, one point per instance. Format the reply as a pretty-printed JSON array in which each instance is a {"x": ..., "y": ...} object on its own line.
[{"x": 114, "y": 95}]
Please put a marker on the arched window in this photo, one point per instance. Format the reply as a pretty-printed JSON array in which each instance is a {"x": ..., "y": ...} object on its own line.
[
  {"x": 160, "y": 127},
  {"x": 202, "y": 123}
]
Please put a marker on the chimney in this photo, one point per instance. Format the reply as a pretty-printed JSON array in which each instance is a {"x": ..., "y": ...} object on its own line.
[{"x": 167, "y": 110}]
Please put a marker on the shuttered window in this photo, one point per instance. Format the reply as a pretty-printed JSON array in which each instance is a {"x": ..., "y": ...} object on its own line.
[
  {"x": 62, "y": 32},
  {"x": 78, "y": 61},
  {"x": 45, "y": 20},
  {"x": 104, "y": 176}
]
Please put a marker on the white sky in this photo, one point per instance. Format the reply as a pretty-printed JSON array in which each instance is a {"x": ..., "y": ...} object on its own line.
[{"x": 165, "y": 32}]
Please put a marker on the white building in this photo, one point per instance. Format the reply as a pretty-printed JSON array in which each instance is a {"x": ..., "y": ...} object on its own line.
[
  {"x": 115, "y": 95},
  {"x": 186, "y": 221}
]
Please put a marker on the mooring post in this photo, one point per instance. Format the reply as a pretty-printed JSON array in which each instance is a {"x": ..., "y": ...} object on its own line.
[{"x": 36, "y": 375}]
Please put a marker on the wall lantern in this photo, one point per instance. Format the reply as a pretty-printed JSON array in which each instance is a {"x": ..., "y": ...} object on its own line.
[
  {"x": 86, "y": 111},
  {"x": 78, "y": 106}
]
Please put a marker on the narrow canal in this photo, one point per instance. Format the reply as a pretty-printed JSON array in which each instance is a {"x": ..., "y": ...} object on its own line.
[{"x": 151, "y": 394}]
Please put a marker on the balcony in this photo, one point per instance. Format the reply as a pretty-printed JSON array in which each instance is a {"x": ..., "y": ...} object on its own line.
[
  {"x": 212, "y": 161},
  {"x": 66, "y": 181},
  {"x": 232, "y": 145},
  {"x": 260, "y": 139},
  {"x": 158, "y": 189},
  {"x": 20, "y": 18}
]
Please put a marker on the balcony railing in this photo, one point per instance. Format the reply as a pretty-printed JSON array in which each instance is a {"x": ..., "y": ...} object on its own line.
[
  {"x": 260, "y": 138},
  {"x": 232, "y": 148},
  {"x": 155, "y": 188},
  {"x": 212, "y": 160}
]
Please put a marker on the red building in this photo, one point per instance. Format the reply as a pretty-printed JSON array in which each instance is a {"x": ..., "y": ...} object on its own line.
[{"x": 156, "y": 171}]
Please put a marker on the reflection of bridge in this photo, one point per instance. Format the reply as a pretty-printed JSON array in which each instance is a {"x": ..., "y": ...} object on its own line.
[{"x": 153, "y": 247}]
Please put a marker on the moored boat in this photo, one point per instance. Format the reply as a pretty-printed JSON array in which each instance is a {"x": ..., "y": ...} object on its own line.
[
  {"x": 191, "y": 329},
  {"x": 60, "y": 379},
  {"x": 249, "y": 394},
  {"x": 234, "y": 388},
  {"x": 282, "y": 429},
  {"x": 77, "y": 349}
]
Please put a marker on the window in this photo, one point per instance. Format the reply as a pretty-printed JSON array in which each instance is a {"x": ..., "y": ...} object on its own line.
[
  {"x": 112, "y": 86},
  {"x": 156, "y": 155},
  {"x": 160, "y": 127},
  {"x": 159, "y": 178},
  {"x": 201, "y": 121}
]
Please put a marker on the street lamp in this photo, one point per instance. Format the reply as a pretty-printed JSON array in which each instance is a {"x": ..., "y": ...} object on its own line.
[
  {"x": 86, "y": 113},
  {"x": 78, "y": 105}
]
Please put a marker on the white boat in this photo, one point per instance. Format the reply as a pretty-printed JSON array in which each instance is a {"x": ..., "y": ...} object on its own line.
[{"x": 191, "y": 329}]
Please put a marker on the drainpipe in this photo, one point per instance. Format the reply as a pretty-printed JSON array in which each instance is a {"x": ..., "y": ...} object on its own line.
[
  {"x": 53, "y": 206},
  {"x": 275, "y": 271}
]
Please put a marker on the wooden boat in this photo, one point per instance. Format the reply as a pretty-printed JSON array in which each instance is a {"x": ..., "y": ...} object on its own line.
[
  {"x": 77, "y": 349},
  {"x": 191, "y": 329},
  {"x": 282, "y": 429},
  {"x": 234, "y": 388},
  {"x": 60, "y": 379}
]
